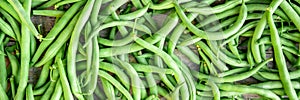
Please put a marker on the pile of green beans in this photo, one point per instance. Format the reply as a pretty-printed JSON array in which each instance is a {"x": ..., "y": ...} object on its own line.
[{"x": 150, "y": 49}]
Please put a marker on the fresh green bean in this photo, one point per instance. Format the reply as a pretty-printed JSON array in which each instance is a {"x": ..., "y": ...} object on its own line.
[
  {"x": 13, "y": 24},
  {"x": 108, "y": 89},
  {"x": 44, "y": 75},
  {"x": 56, "y": 45},
  {"x": 61, "y": 3},
  {"x": 115, "y": 83},
  {"x": 6, "y": 28},
  {"x": 3, "y": 94},
  {"x": 25, "y": 57},
  {"x": 163, "y": 32},
  {"x": 12, "y": 86},
  {"x": 63, "y": 79},
  {"x": 24, "y": 16},
  {"x": 275, "y": 85},
  {"x": 279, "y": 58},
  {"x": 41, "y": 90},
  {"x": 57, "y": 91},
  {"x": 248, "y": 89},
  {"x": 57, "y": 28},
  {"x": 50, "y": 13},
  {"x": 29, "y": 92},
  {"x": 290, "y": 12},
  {"x": 48, "y": 4},
  {"x": 168, "y": 60}
]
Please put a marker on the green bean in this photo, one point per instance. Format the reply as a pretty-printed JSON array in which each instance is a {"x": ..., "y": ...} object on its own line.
[
  {"x": 57, "y": 28},
  {"x": 248, "y": 89},
  {"x": 115, "y": 83},
  {"x": 189, "y": 41},
  {"x": 177, "y": 33},
  {"x": 51, "y": 87},
  {"x": 12, "y": 86},
  {"x": 163, "y": 32},
  {"x": 290, "y": 12},
  {"x": 207, "y": 62},
  {"x": 95, "y": 66},
  {"x": 3, "y": 70},
  {"x": 61, "y": 3},
  {"x": 116, "y": 70},
  {"x": 290, "y": 57},
  {"x": 168, "y": 60},
  {"x": 202, "y": 87},
  {"x": 24, "y": 17},
  {"x": 113, "y": 6},
  {"x": 291, "y": 50},
  {"x": 189, "y": 53},
  {"x": 215, "y": 90},
  {"x": 29, "y": 92},
  {"x": 219, "y": 64},
  {"x": 44, "y": 75},
  {"x": 296, "y": 8},
  {"x": 222, "y": 94},
  {"x": 108, "y": 89},
  {"x": 57, "y": 91},
  {"x": 56, "y": 45},
  {"x": 279, "y": 58},
  {"x": 13, "y": 23},
  {"x": 50, "y": 13},
  {"x": 275, "y": 85},
  {"x": 118, "y": 23},
  {"x": 99, "y": 93},
  {"x": 291, "y": 36},
  {"x": 231, "y": 72},
  {"x": 250, "y": 58},
  {"x": 232, "y": 78},
  {"x": 233, "y": 46},
  {"x": 48, "y": 4},
  {"x": 3, "y": 94},
  {"x": 149, "y": 76},
  {"x": 222, "y": 24},
  {"x": 250, "y": 8},
  {"x": 135, "y": 14},
  {"x": 137, "y": 86},
  {"x": 262, "y": 49},
  {"x": 119, "y": 42},
  {"x": 158, "y": 62},
  {"x": 64, "y": 80},
  {"x": 6, "y": 28},
  {"x": 41, "y": 90},
  {"x": 25, "y": 58},
  {"x": 150, "y": 68},
  {"x": 175, "y": 93},
  {"x": 163, "y": 92},
  {"x": 9, "y": 9},
  {"x": 231, "y": 61},
  {"x": 216, "y": 9}
]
